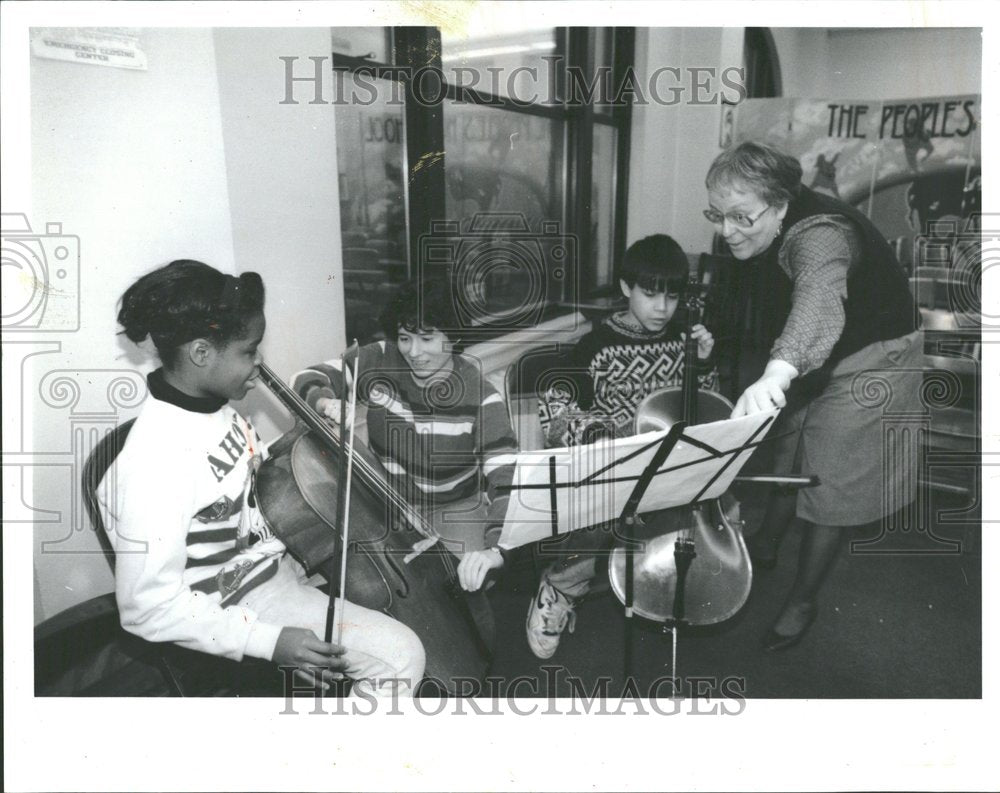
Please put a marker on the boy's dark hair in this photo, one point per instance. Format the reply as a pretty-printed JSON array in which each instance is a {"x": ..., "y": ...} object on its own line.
[
  {"x": 421, "y": 305},
  {"x": 187, "y": 300},
  {"x": 656, "y": 263}
]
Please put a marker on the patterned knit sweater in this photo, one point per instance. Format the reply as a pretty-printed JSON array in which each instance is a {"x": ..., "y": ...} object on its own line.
[
  {"x": 443, "y": 442},
  {"x": 608, "y": 373}
]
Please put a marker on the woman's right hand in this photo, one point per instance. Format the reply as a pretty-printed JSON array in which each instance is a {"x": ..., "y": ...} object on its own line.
[
  {"x": 315, "y": 661},
  {"x": 768, "y": 392}
]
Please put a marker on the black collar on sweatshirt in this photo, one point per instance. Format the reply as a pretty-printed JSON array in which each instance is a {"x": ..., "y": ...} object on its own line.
[{"x": 162, "y": 390}]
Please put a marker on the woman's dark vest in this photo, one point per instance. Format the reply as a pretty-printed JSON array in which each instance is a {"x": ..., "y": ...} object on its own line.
[{"x": 879, "y": 303}]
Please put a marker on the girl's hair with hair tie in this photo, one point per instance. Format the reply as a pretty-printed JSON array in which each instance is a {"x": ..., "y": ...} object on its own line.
[{"x": 187, "y": 300}]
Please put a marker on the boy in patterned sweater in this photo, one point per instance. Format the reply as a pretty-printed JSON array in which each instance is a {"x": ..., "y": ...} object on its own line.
[
  {"x": 441, "y": 431},
  {"x": 630, "y": 354},
  {"x": 612, "y": 369}
]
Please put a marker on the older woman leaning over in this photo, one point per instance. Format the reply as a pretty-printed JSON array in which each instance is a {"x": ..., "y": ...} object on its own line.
[{"x": 844, "y": 308}]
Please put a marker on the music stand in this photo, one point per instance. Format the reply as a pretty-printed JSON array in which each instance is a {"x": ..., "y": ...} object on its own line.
[
  {"x": 627, "y": 521},
  {"x": 556, "y": 491}
]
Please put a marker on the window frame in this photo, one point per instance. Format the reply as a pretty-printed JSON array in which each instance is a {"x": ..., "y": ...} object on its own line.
[{"x": 423, "y": 131}]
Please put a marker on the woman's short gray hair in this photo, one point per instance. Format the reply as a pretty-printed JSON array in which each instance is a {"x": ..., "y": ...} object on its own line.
[{"x": 773, "y": 175}]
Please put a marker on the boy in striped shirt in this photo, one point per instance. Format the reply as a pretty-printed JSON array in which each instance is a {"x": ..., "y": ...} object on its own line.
[{"x": 439, "y": 428}]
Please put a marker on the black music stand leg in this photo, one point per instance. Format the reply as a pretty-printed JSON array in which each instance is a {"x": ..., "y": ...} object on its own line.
[
  {"x": 628, "y": 534},
  {"x": 629, "y": 592}
]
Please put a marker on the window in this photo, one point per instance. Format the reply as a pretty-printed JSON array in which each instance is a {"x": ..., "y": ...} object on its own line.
[
  {"x": 372, "y": 205},
  {"x": 760, "y": 58},
  {"x": 512, "y": 63},
  {"x": 498, "y": 156}
]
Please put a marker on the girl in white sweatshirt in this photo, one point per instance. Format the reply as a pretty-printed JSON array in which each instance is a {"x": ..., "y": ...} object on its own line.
[{"x": 195, "y": 563}]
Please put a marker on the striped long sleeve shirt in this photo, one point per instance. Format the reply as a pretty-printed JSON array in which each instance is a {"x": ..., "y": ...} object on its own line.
[{"x": 442, "y": 442}]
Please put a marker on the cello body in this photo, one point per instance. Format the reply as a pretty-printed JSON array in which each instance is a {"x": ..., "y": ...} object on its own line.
[
  {"x": 717, "y": 583},
  {"x": 715, "y": 580},
  {"x": 389, "y": 569}
]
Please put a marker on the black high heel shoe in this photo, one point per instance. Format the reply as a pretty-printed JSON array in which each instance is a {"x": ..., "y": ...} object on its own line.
[{"x": 775, "y": 642}]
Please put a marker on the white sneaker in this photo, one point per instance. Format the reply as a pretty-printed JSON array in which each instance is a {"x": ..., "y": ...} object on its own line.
[{"x": 548, "y": 615}]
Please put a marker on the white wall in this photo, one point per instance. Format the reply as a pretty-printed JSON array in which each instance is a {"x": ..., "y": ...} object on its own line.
[
  {"x": 803, "y": 54},
  {"x": 131, "y": 162},
  {"x": 672, "y": 146},
  {"x": 898, "y": 64},
  {"x": 281, "y": 166},
  {"x": 193, "y": 158}
]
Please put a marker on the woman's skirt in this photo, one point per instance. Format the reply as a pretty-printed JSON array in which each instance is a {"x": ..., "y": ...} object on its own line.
[{"x": 860, "y": 434}]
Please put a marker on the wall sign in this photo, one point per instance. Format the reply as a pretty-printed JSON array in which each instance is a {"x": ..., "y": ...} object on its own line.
[
  {"x": 847, "y": 147},
  {"x": 118, "y": 47}
]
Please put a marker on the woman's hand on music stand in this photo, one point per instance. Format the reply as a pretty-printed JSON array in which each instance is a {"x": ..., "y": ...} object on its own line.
[{"x": 768, "y": 392}]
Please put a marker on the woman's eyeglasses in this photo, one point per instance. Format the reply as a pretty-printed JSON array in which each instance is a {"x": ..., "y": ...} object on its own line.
[{"x": 739, "y": 219}]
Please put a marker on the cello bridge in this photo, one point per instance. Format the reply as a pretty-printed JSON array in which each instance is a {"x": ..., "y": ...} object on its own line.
[{"x": 419, "y": 547}]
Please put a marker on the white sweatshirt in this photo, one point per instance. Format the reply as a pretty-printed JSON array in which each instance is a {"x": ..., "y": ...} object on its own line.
[{"x": 187, "y": 544}]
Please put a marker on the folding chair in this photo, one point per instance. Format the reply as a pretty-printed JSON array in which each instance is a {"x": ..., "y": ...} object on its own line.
[{"x": 83, "y": 651}]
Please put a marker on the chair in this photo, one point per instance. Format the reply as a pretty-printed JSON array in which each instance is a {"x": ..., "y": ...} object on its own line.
[
  {"x": 525, "y": 380},
  {"x": 953, "y": 290},
  {"x": 94, "y": 470},
  {"x": 363, "y": 259},
  {"x": 353, "y": 239},
  {"x": 955, "y": 428},
  {"x": 935, "y": 273},
  {"x": 924, "y": 292},
  {"x": 83, "y": 651}
]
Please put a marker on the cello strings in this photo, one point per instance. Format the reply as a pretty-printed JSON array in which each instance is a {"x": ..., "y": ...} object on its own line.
[{"x": 369, "y": 475}]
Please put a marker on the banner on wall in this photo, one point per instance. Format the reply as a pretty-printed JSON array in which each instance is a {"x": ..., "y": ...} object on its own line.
[
  {"x": 117, "y": 47},
  {"x": 911, "y": 164}
]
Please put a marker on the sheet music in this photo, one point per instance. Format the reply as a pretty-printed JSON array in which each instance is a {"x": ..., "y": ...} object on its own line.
[{"x": 591, "y": 484}]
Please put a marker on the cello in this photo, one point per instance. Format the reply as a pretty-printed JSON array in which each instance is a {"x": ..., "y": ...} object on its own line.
[
  {"x": 394, "y": 561},
  {"x": 694, "y": 568}
]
